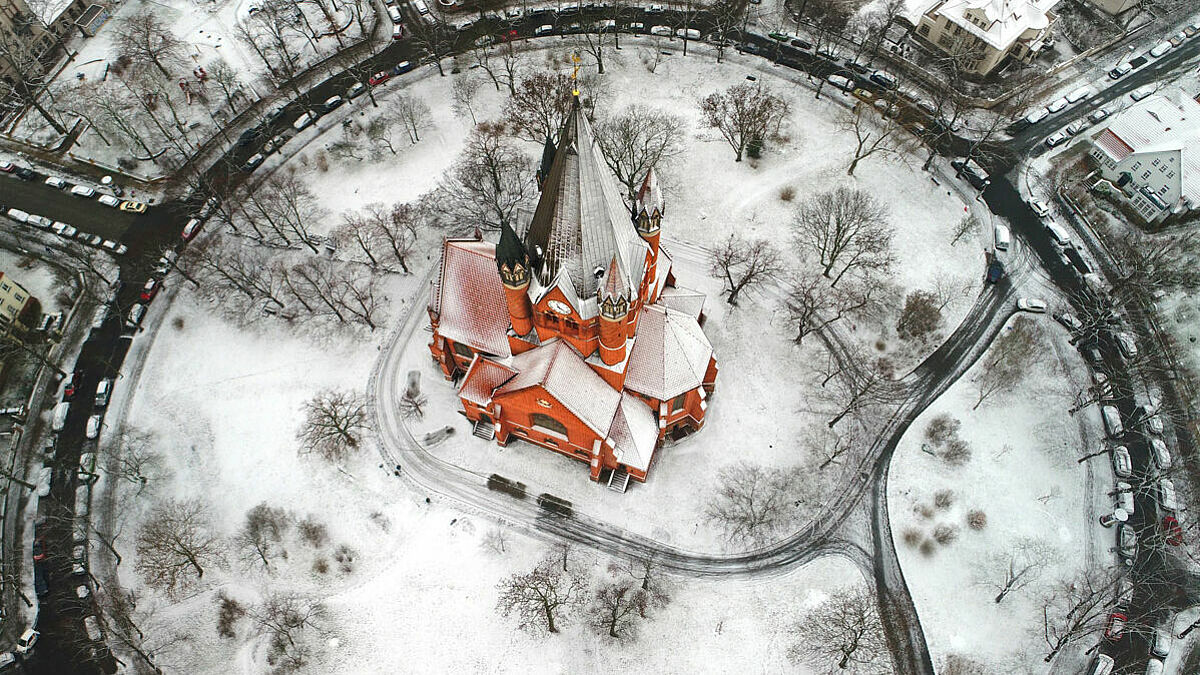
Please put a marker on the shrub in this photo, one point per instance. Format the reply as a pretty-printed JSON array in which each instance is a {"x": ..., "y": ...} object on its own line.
[
  {"x": 322, "y": 161},
  {"x": 177, "y": 323},
  {"x": 228, "y": 614},
  {"x": 943, "y": 498},
  {"x": 912, "y": 536},
  {"x": 344, "y": 555},
  {"x": 924, "y": 510},
  {"x": 942, "y": 429},
  {"x": 945, "y": 534},
  {"x": 976, "y": 519},
  {"x": 321, "y": 566},
  {"x": 927, "y": 548},
  {"x": 787, "y": 193},
  {"x": 313, "y": 532},
  {"x": 957, "y": 452},
  {"x": 754, "y": 147}
]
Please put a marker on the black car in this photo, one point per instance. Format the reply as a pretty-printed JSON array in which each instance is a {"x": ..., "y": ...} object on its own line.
[
  {"x": 25, "y": 173},
  {"x": 973, "y": 176},
  {"x": 249, "y": 136},
  {"x": 857, "y": 67},
  {"x": 801, "y": 44},
  {"x": 275, "y": 114}
]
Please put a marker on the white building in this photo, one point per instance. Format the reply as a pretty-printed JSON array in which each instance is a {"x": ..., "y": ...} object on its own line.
[
  {"x": 1151, "y": 154},
  {"x": 983, "y": 33}
]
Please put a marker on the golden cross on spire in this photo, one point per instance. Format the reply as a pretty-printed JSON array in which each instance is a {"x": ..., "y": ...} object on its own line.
[{"x": 575, "y": 74}]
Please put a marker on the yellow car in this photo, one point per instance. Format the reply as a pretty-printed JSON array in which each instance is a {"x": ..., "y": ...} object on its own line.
[{"x": 133, "y": 207}]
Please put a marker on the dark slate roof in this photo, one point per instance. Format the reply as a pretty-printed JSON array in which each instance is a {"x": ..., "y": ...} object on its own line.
[
  {"x": 510, "y": 251},
  {"x": 582, "y": 223}
]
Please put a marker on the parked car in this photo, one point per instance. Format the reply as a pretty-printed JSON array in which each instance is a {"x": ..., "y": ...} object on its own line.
[
  {"x": 974, "y": 175},
  {"x": 1098, "y": 115},
  {"x": 395, "y": 15},
  {"x": 275, "y": 114},
  {"x": 304, "y": 121},
  {"x": 398, "y": 31},
  {"x": 1040, "y": 208},
  {"x": 109, "y": 200},
  {"x": 83, "y": 191},
  {"x": 1154, "y": 425},
  {"x": 1075, "y": 127},
  {"x": 800, "y": 43},
  {"x": 63, "y": 230},
  {"x": 379, "y": 78},
  {"x": 1115, "y": 626},
  {"x": 661, "y": 31},
  {"x": 1112, "y": 420},
  {"x": 149, "y": 290},
  {"x": 687, "y": 33},
  {"x": 1160, "y": 454},
  {"x": 1035, "y": 305},
  {"x": 402, "y": 68},
  {"x": 254, "y": 162},
  {"x": 92, "y": 627},
  {"x": 1172, "y": 531},
  {"x": 114, "y": 247},
  {"x": 1056, "y": 139},
  {"x": 136, "y": 314},
  {"x": 1142, "y": 92},
  {"x": 8, "y": 167},
  {"x": 1122, "y": 464},
  {"x": 1126, "y": 541},
  {"x": 27, "y": 640},
  {"x": 353, "y": 92},
  {"x": 249, "y": 136},
  {"x": 25, "y": 173},
  {"x": 71, "y": 385},
  {"x": 1160, "y": 49},
  {"x": 1126, "y": 345},
  {"x": 333, "y": 102},
  {"x": 884, "y": 79},
  {"x": 131, "y": 206},
  {"x": 39, "y": 549},
  {"x": 1068, "y": 321},
  {"x": 192, "y": 227},
  {"x": 544, "y": 29},
  {"x": 55, "y": 182},
  {"x": 93, "y": 426},
  {"x": 1121, "y": 70}
]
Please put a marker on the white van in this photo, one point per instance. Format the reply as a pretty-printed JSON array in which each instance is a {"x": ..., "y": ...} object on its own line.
[
  {"x": 1161, "y": 646},
  {"x": 1112, "y": 420},
  {"x": 1057, "y": 233},
  {"x": 1003, "y": 237},
  {"x": 1101, "y": 665},
  {"x": 18, "y": 215},
  {"x": 60, "y": 416}
]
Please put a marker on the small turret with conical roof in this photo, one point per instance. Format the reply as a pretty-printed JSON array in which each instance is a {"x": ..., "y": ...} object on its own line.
[
  {"x": 512, "y": 261},
  {"x": 614, "y": 300},
  {"x": 548, "y": 152}
]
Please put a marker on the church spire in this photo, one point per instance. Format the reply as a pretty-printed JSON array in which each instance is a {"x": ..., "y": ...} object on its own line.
[{"x": 512, "y": 261}]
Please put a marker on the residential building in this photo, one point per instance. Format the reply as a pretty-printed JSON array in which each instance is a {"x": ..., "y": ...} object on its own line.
[
  {"x": 982, "y": 34},
  {"x": 18, "y": 308},
  {"x": 30, "y": 32},
  {"x": 1149, "y": 156},
  {"x": 574, "y": 336}
]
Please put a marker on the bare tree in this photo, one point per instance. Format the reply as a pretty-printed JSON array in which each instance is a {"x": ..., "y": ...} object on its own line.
[
  {"x": 595, "y": 39},
  {"x": 334, "y": 423},
  {"x": 812, "y": 304},
  {"x": 176, "y": 543},
  {"x": 844, "y": 633},
  {"x": 294, "y": 206},
  {"x": 27, "y": 79},
  {"x": 1152, "y": 263},
  {"x": 1076, "y": 608},
  {"x": 431, "y": 37},
  {"x": 966, "y": 225},
  {"x": 751, "y": 503},
  {"x": 846, "y": 229},
  {"x": 414, "y": 114},
  {"x": 1008, "y": 359},
  {"x": 616, "y": 608},
  {"x": 540, "y": 105},
  {"x": 921, "y": 316},
  {"x": 145, "y": 38},
  {"x": 463, "y": 93},
  {"x": 649, "y": 576},
  {"x": 743, "y": 113},
  {"x": 874, "y": 132},
  {"x": 741, "y": 264},
  {"x": 229, "y": 80},
  {"x": 501, "y": 65},
  {"x": 137, "y": 459},
  {"x": 287, "y": 619},
  {"x": 1013, "y": 569},
  {"x": 540, "y": 599},
  {"x": 121, "y": 618},
  {"x": 637, "y": 139},
  {"x": 262, "y": 532},
  {"x": 489, "y": 182},
  {"x": 496, "y": 540}
]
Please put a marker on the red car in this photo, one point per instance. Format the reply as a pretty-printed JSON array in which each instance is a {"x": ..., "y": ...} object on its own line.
[
  {"x": 509, "y": 35},
  {"x": 8, "y": 167},
  {"x": 1172, "y": 532},
  {"x": 72, "y": 385},
  {"x": 192, "y": 227},
  {"x": 1115, "y": 626},
  {"x": 379, "y": 78},
  {"x": 150, "y": 290}
]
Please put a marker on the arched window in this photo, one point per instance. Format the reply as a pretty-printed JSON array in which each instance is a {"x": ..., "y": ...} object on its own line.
[{"x": 549, "y": 423}]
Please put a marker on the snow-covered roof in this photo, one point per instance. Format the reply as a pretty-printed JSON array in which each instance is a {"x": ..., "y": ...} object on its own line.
[
  {"x": 469, "y": 299},
  {"x": 1005, "y": 20},
  {"x": 634, "y": 433},
  {"x": 1159, "y": 124},
  {"x": 582, "y": 222},
  {"x": 482, "y": 378},
  {"x": 683, "y": 300},
  {"x": 559, "y": 369},
  {"x": 649, "y": 196},
  {"x": 48, "y": 11},
  {"x": 670, "y": 354}
]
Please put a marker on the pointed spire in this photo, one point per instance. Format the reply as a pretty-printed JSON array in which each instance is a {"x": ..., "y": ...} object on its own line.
[
  {"x": 512, "y": 261},
  {"x": 614, "y": 293},
  {"x": 649, "y": 202},
  {"x": 548, "y": 152}
]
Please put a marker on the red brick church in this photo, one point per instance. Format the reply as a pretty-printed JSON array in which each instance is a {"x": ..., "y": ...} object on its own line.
[{"x": 573, "y": 336}]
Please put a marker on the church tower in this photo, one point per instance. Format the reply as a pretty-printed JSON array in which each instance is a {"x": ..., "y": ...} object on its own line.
[
  {"x": 512, "y": 261},
  {"x": 647, "y": 217},
  {"x": 613, "y": 297}
]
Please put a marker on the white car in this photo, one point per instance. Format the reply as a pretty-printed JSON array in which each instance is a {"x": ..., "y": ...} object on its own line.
[
  {"x": 63, "y": 230},
  {"x": 1112, "y": 420},
  {"x": 109, "y": 200},
  {"x": 1058, "y": 105},
  {"x": 1142, "y": 92},
  {"x": 27, "y": 640},
  {"x": 1121, "y": 70},
  {"x": 1162, "y": 456},
  {"x": 1122, "y": 464},
  {"x": 136, "y": 313},
  {"x": 688, "y": 33},
  {"x": 1160, "y": 49},
  {"x": 395, "y": 15},
  {"x": 841, "y": 82},
  {"x": 83, "y": 191},
  {"x": 1098, "y": 116},
  {"x": 1040, "y": 208},
  {"x": 302, "y": 122},
  {"x": 1154, "y": 425},
  {"x": 1037, "y": 115},
  {"x": 93, "y": 426},
  {"x": 55, "y": 182},
  {"x": 1035, "y": 305},
  {"x": 544, "y": 29},
  {"x": 1075, "y": 127},
  {"x": 1127, "y": 345},
  {"x": 1056, "y": 139},
  {"x": 662, "y": 31}
]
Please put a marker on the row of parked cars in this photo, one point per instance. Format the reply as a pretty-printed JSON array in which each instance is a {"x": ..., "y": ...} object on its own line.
[
  {"x": 66, "y": 231},
  {"x": 1125, "y": 67}
]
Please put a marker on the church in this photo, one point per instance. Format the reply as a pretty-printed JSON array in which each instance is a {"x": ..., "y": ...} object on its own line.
[{"x": 573, "y": 335}]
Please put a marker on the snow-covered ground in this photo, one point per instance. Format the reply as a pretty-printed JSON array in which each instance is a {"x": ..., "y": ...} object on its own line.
[
  {"x": 37, "y": 277},
  {"x": 1024, "y": 475}
]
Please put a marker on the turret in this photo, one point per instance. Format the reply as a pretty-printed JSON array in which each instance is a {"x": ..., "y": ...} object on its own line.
[
  {"x": 548, "y": 152},
  {"x": 647, "y": 218},
  {"x": 613, "y": 297},
  {"x": 512, "y": 261}
]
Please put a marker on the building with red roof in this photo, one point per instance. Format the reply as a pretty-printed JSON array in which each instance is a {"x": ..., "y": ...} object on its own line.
[{"x": 573, "y": 335}]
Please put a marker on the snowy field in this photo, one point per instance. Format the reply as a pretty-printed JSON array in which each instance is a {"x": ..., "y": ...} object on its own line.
[{"x": 1023, "y": 474}]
